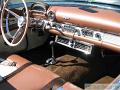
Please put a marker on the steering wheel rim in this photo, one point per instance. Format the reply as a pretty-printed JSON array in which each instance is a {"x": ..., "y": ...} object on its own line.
[{"x": 26, "y": 24}]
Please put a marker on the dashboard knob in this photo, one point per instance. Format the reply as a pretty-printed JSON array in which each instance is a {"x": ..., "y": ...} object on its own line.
[
  {"x": 98, "y": 36},
  {"x": 48, "y": 26},
  {"x": 51, "y": 16}
]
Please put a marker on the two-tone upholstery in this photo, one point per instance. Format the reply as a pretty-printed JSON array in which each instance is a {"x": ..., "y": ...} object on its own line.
[{"x": 33, "y": 77}]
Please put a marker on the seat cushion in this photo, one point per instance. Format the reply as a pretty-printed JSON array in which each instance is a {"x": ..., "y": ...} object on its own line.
[
  {"x": 69, "y": 86},
  {"x": 33, "y": 77},
  {"x": 20, "y": 61}
]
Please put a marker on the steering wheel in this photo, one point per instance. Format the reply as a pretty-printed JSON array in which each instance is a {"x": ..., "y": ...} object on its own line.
[{"x": 22, "y": 25}]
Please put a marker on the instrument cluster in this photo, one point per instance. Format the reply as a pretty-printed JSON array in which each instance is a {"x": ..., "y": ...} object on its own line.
[{"x": 76, "y": 30}]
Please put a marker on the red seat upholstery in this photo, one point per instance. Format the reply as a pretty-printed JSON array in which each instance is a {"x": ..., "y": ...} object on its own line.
[{"x": 33, "y": 77}]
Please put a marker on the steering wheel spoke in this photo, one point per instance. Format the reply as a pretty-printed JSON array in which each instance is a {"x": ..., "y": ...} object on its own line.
[
  {"x": 17, "y": 33},
  {"x": 13, "y": 13}
]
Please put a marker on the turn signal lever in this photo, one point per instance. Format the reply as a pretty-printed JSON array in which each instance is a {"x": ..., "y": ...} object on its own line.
[{"x": 51, "y": 60}]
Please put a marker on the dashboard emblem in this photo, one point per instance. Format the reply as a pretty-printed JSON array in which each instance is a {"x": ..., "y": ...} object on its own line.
[{"x": 66, "y": 18}]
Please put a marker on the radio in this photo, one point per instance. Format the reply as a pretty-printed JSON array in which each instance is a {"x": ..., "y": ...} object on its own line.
[{"x": 74, "y": 44}]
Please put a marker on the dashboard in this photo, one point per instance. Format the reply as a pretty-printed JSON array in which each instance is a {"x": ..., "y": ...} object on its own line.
[
  {"x": 81, "y": 29},
  {"x": 78, "y": 28}
]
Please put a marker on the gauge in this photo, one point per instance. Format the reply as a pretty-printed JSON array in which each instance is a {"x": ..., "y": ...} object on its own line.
[{"x": 51, "y": 16}]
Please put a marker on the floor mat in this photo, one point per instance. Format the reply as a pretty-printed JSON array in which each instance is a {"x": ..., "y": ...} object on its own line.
[{"x": 70, "y": 68}]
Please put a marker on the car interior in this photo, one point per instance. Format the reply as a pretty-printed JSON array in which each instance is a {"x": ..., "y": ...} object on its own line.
[{"x": 59, "y": 45}]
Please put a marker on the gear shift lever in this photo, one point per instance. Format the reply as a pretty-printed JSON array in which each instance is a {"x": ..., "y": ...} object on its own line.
[{"x": 51, "y": 60}]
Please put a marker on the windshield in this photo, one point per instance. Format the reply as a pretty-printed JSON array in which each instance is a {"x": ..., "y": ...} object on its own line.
[
  {"x": 113, "y": 2},
  {"x": 20, "y": 1}
]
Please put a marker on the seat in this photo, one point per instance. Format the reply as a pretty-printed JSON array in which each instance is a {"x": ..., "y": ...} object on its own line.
[
  {"x": 114, "y": 85},
  {"x": 70, "y": 86},
  {"x": 33, "y": 77}
]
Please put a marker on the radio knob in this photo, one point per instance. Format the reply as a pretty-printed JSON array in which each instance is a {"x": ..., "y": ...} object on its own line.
[
  {"x": 98, "y": 36},
  {"x": 47, "y": 26}
]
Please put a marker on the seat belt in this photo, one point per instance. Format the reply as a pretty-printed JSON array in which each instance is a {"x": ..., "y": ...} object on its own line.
[{"x": 18, "y": 70}]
